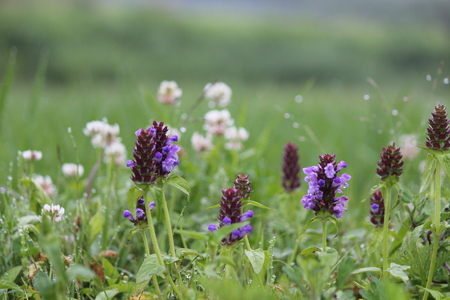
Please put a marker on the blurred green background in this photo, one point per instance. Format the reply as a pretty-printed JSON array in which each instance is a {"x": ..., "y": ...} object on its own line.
[{"x": 78, "y": 61}]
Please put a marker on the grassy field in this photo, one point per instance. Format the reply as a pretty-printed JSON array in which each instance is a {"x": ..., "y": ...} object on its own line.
[{"x": 348, "y": 88}]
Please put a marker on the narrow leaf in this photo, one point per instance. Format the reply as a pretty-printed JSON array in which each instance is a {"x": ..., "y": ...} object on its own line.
[
  {"x": 254, "y": 203},
  {"x": 5, "y": 284},
  {"x": 427, "y": 176},
  {"x": 310, "y": 250},
  {"x": 367, "y": 269}
]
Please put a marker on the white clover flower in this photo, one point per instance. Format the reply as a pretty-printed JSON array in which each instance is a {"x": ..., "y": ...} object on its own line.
[
  {"x": 217, "y": 122},
  {"x": 53, "y": 211},
  {"x": 72, "y": 170},
  {"x": 201, "y": 143},
  {"x": 102, "y": 133},
  {"x": 218, "y": 93},
  {"x": 235, "y": 137},
  {"x": 116, "y": 152},
  {"x": 46, "y": 183},
  {"x": 32, "y": 155},
  {"x": 408, "y": 146},
  {"x": 169, "y": 92}
]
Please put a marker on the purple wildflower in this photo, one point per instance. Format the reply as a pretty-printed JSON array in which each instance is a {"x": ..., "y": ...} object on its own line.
[
  {"x": 438, "y": 132},
  {"x": 324, "y": 184},
  {"x": 291, "y": 168},
  {"x": 154, "y": 154},
  {"x": 391, "y": 163},
  {"x": 377, "y": 209},
  {"x": 141, "y": 215},
  {"x": 231, "y": 213}
]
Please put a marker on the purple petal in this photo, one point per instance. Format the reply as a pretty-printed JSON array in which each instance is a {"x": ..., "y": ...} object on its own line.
[
  {"x": 329, "y": 170},
  {"x": 212, "y": 227},
  {"x": 127, "y": 214},
  {"x": 226, "y": 221}
]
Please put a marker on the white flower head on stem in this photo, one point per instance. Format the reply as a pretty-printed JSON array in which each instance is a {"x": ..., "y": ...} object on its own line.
[
  {"x": 116, "y": 152},
  {"x": 217, "y": 93},
  {"x": 169, "y": 92},
  {"x": 235, "y": 136},
  {"x": 201, "y": 143},
  {"x": 46, "y": 183},
  {"x": 72, "y": 170},
  {"x": 53, "y": 211},
  {"x": 102, "y": 133},
  {"x": 32, "y": 155},
  {"x": 217, "y": 122}
]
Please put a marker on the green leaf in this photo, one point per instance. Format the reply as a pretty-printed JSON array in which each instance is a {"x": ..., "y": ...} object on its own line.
[
  {"x": 256, "y": 258},
  {"x": 367, "y": 269},
  {"x": 310, "y": 221},
  {"x": 444, "y": 160},
  {"x": 28, "y": 220},
  {"x": 107, "y": 294},
  {"x": 214, "y": 206},
  {"x": 5, "y": 284},
  {"x": 81, "y": 273},
  {"x": 179, "y": 183},
  {"x": 132, "y": 231},
  {"x": 328, "y": 258},
  {"x": 376, "y": 240},
  {"x": 428, "y": 174},
  {"x": 224, "y": 231},
  {"x": 149, "y": 267},
  {"x": 436, "y": 294},
  {"x": 182, "y": 252},
  {"x": 310, "y": 250},
  {"x": 193, "y": 234},
  {"x": 398, "y": 271},
  {"x": 254, "y": 203},
  {"x": 96, "y": 225},
  {"x": 11, "y": 274},
  {"x": 133, "y": 195}
]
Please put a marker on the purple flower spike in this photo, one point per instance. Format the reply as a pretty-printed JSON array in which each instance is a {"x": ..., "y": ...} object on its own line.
[
  {"x": 212, "y": 227},
  {"x": 438, "y": 132},
  {"x": 242, "y": 184},
  {"x": 141, "y": 215},
  {"x": 324, "y": 184},
  {"x": 154, "y": 155},
  {"x": 390, "y": 165},
  {"x": 290, "y": 168}
]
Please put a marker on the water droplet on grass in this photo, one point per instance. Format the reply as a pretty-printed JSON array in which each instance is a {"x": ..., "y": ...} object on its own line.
[
  {"x": 287, "y": 115},
  {"x": 183, "y": 129},
  {"x": 295, "y": 125},
  {"x": 395, "y": 112},
  {"x": 366, "y": 97}
]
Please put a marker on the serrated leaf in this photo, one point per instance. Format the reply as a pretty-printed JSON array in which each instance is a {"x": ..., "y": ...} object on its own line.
[
  {"x": 133, "y": 196},
  {"x": 367, "y": 269},
  {"x": 398, "y": 271},
  {"x": 444, "y": 160},
  {"x": 256, "y": 258},
  {"x": 310, "y": 250},
  {"x": 254, "y": 203},
  {"x": 149, "y": 267},
  {"x": 180, "y": 183},
  {"x": 428, "y": 173}
]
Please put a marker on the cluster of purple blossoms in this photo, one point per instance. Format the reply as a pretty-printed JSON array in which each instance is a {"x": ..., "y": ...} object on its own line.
[
  {"x": 231, "y": 213},
  {"x": 141, "y": 215},
  {"x": 438, "y": 137},
  {"x": 377, "y": 209},
  {"x": 324, "y": 184},
  {"x": 154, "y": 154},
  {"x": 242, "y": 184}
]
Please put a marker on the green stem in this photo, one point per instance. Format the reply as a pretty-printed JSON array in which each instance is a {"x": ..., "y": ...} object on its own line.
[
  {"x": 155, "y": 243},
  {"x": 147, "y": 253},
  {"x": 324, "y": 235},
  {"x": 437, "y": 225},
  {"x": 387, "y": 208},
  {"x": 168, "y": 224}
]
